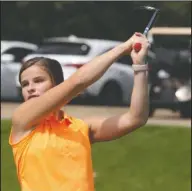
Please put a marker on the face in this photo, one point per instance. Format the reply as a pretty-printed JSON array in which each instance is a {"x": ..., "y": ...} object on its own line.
[{"x": 34, "y": 82}]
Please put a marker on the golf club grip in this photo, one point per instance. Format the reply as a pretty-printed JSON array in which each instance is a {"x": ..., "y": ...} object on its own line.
[{"x": 137, "y": 46}]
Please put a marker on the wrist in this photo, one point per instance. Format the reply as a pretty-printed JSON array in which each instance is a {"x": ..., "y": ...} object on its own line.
[
  {"x": 140, "y": 62},
  {"x": 126, "y": 47},
  {"x": 140, "y": 67}
]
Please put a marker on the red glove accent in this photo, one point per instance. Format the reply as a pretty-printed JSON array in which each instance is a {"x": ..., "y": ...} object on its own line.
[{"x": 137, "y": 47}]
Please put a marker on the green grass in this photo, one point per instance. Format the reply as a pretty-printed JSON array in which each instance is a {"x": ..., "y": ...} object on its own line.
[{"x": 150, "y": 159}]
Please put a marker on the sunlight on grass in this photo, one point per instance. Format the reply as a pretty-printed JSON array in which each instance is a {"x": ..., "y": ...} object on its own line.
[{"x": 149, "y": 159}]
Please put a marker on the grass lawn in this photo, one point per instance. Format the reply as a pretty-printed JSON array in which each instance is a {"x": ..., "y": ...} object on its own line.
[{"x": 150, "y": 159}]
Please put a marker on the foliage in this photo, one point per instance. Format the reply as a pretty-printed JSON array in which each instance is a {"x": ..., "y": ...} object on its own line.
[{"x": 32, "y": 21}]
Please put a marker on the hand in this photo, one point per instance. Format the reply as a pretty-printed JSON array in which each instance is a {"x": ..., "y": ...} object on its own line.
[
  {"x": 139, "y": 57},
  {"x": 128, "y": 45}
]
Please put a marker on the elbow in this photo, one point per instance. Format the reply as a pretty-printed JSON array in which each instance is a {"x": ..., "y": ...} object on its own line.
[
  {"x": 145, "y": 118},
  {"x": 139, "y": 121},
  {"x": 143, "y": 121}
]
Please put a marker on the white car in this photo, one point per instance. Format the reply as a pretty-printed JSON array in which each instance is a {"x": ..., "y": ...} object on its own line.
[
  {"x": 114, "y": 87},
  {"x": 12, "y": 52}
]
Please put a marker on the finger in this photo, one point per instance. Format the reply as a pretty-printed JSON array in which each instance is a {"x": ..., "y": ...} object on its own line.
[
  {"x": 142, "y": 45},
  {"x": 139, "y": 38},
  {"x": 138, "y": 34}
]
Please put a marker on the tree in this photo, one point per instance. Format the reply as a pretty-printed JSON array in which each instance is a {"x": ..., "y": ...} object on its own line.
[{"x": 32, "y": 21}]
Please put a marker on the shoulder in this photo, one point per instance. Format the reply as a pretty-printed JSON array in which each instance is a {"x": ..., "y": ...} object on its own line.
[{"x": 77, "y": 123}]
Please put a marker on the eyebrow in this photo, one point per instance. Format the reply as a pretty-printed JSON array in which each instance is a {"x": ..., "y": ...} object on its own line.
[{"x": 38, "y": 77}]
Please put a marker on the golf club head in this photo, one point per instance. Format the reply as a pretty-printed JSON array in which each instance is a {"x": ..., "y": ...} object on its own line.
[{"x": 144, "y": 20}]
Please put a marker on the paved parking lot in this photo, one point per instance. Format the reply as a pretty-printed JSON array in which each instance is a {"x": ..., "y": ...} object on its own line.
[{"x": 161, "y": 116}]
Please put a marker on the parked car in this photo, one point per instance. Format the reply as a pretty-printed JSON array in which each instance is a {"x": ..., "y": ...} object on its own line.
[
  {"x": 12, "y": 52},
  {"x": 114, "y": 87},
  {"x": 171, "y": 74}
]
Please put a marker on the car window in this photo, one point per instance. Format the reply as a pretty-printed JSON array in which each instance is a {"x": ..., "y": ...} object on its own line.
[
  {"x": 63, "y": 48},
  {"x": 19, "y": 53}
]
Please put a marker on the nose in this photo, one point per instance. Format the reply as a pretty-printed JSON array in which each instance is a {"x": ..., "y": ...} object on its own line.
[{"x": 31, "y": 88}]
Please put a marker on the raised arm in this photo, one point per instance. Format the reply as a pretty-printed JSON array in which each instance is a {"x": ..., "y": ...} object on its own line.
[
  {"x": 34, "y": 110},
  {"x": 104, "y": 129}
]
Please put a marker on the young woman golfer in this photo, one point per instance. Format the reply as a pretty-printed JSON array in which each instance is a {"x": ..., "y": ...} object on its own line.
[{"x": 52, "y": 151}]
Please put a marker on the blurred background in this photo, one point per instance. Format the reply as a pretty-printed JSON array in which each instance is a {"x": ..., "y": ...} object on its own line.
[{"x": 73, "y": 33}]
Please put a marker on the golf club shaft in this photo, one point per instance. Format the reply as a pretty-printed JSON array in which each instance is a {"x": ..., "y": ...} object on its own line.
[{"x": 137, "y": 46}]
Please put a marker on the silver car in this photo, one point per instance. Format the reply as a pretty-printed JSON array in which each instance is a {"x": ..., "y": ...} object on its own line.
[
  {"x": 114, "y": 87},
  {"x": 12, "y": 52}
]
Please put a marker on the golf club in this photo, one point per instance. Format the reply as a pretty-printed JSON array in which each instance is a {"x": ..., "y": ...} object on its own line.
[{"x": 149, "y": 10}]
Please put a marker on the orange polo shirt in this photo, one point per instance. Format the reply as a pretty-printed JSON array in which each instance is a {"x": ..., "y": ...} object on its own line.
[{"x": 55, "y": 156}]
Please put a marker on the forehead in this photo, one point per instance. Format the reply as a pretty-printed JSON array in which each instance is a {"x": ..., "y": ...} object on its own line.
[{"x": 34, "y": 71}]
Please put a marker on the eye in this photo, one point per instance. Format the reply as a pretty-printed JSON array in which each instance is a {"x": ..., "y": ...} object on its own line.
[
  {"x": 39, "y": 80},
  {"x": 24, "y": 84}
]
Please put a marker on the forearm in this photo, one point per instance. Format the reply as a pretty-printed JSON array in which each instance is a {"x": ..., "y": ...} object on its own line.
[
  {"x": 93, "y": 70},
  {"x": 64, "y": 92},
  {"x": 139, "y": 107}
]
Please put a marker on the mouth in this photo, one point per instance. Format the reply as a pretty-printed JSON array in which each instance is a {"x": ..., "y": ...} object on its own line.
[{"x": 32, "y": 96}]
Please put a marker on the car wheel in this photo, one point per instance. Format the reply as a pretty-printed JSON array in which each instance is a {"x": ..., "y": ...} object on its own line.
[
  {"x": 151, "y": 111},
  {"x": 185, "y": 110},
  {"x": 152, "y": 96},
  {"x": 111, "y": 94}
]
